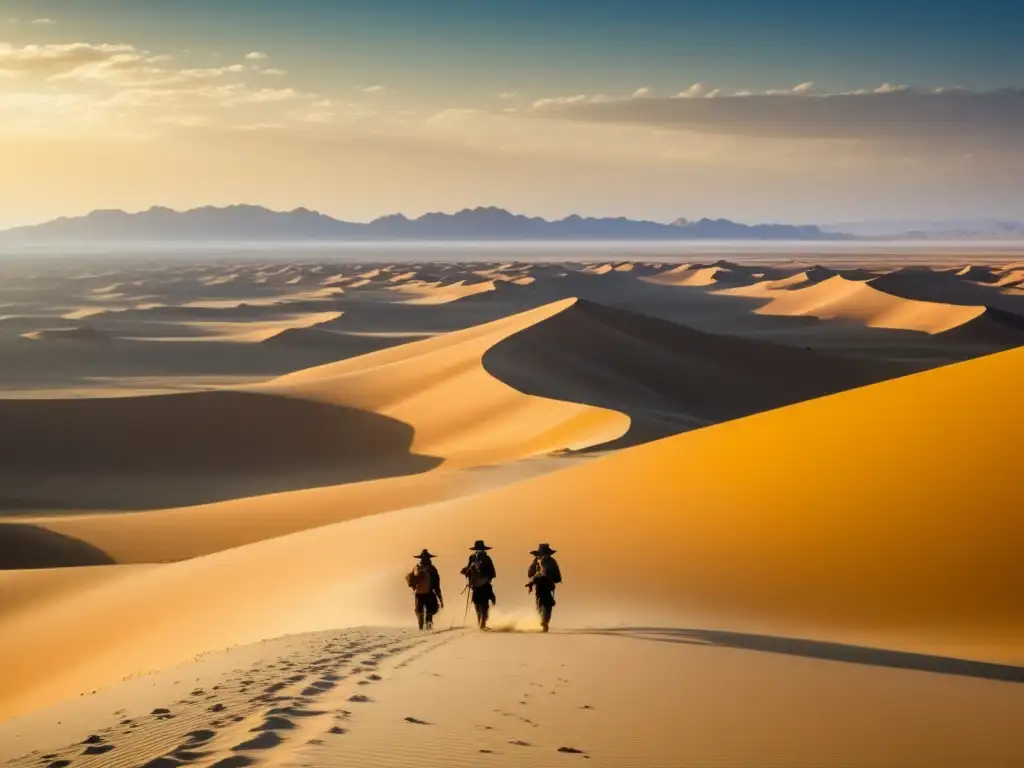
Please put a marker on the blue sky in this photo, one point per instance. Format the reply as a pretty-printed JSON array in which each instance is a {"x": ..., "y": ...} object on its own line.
[
  {"x": 541, "y": 45},
  {"x": 423, "y": 81}
]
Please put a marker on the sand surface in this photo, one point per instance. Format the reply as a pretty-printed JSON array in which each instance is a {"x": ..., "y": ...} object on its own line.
[
  {"x": 783, "y": 495},
  {"x": 597, "y": 697}
]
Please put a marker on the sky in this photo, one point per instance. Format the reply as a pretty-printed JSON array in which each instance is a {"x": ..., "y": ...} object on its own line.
[{"x": 753, "y": 110}]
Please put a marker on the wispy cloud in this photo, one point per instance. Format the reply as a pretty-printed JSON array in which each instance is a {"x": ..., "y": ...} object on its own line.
[
  {"x": 887, "y": 112},
  {"x": 256, "y": 56},
  {"x": 507, "y": 95},
  {"x": 694, "y": 91},
  {"x": 370, "y": 88},
  {"x": 639, "y": 93},
  {"x": 562, "y": 101},
  {"x": 44, "y": 22}
]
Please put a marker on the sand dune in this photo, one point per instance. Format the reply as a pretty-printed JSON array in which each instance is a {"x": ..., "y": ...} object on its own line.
[
  {"x": 443, "y": 294},
  {"x": 890, "y": 557},
  {"x": 458, "y": 411},
  {"x": 930, "y": 285},
  {"x": 863, "y": 302},
  {"x": 809, "y": 553},
  {"x": 697, "y": 276},
  {"x": 79, "y": 334},
  {"x": 155, "y": 451},
  {"x": 666, "y": 377},
  {"x": 374, "y": 697}
]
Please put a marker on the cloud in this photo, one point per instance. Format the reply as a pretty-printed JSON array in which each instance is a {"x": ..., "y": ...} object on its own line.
[
  {"x": 55, "y": 60},
  {"x": 559, "y": 101},
  {"x": 256, "y": 56},
  {"x": 274, "y": 72},
  {"x": 370, "y": 88},
  {"x": 45, "y": 22},
  {"x": 639, "y": 93},
  {"x": 803, "y": 88},
  {"x": 887, "y": 113},
  {"x": 117, "y": 65},
  {"x": 693, "y": 92},
  {"x": 507, "y": 95}
]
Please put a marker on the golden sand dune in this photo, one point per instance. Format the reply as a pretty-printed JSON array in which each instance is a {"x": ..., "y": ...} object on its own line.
[
  {"x": 668, "y": 378},
  {"x": 841, "y": 299},
  {"x": 426, "y": 294},
  {"x": 459, "y": 412},
  {"x": 707, "y": 527},
  {"x": 242, "y": 331},
  {"x": 54, "y": 543},
  {"x": 396, "y": 411},
  {"x": 766, "y": 288},
  {"x": 31, "y": 588}
]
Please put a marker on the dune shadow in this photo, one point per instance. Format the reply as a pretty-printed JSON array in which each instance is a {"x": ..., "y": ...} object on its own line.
[
  {"x": 191, "y": 448},
  {"x": 30, "y": 546},
  {"x": 820, "y": 649},
  {"x": 668, "y": 378}
]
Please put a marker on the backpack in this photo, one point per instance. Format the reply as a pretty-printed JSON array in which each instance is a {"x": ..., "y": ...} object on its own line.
[
  {"x": 419, "y": 580},
  {"x": 475, "y": 572},
  {"x": 548, "y": 569}
]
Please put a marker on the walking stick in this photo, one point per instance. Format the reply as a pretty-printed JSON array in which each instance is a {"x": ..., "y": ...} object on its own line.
[{"x": 465, "y": 614}]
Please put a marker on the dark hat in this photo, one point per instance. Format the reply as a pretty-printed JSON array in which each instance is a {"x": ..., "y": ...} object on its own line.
[
  {"x": 543, "y": 549},
  {"x": 424, "y": 555},
  {"x": 479, "y": 545}
]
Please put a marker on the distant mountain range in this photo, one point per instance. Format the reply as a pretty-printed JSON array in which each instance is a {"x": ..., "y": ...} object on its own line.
[
  {"x": 248, "y": 223},
  {"x": 949, "y": 229}
]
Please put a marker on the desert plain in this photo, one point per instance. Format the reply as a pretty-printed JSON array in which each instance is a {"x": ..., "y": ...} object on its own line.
[{"x": 783, "y": 491}]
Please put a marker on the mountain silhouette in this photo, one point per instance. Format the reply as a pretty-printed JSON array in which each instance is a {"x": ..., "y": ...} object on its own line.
[{"x": 241, "y": 223}]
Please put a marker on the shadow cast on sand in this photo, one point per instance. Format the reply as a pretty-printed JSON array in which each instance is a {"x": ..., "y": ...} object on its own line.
[
  {"x": 818, "y": 649},
  {"x": 174, "y": 450},
  {"x": 21, "y": 545}
]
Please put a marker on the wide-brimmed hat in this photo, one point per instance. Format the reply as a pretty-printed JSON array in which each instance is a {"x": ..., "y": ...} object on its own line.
[
  {"x": 424, "y": 555},
  {"x": 479, "y": 545},
  {"x": 543, "y": 549}
]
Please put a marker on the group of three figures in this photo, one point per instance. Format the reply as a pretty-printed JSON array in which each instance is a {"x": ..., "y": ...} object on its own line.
[{"x": 543, "y": 574}]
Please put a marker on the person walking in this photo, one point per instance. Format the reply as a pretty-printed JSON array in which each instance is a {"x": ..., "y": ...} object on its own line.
[
  {"x": 425, "y": 582},
  {"x": 479, "y": 573},
  {"x": 544, "y": 575}
]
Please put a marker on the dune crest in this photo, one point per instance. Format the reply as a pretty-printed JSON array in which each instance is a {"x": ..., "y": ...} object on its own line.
[
  {"x": 459, "y": 412},
  {"x": 841, "y": 299}
]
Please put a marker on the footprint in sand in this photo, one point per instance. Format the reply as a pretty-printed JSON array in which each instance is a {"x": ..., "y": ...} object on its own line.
[
  {"x": 416, "y": 721},
  {"x": 98, "y": 749},
  {"x": 520, "y": 743},
  {"x": 570, "y": 750},
  {"x": 359, "y": 699},
  {"x": 266, "y": 740},
  {"x": 275, "y": 724},
  {"x": 236, "y": 761}
]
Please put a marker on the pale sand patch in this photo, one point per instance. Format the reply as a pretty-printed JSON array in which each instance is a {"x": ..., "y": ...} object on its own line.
[
  {"x": 251, "y": 332},
  {"x": 663, "y": 697}
]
